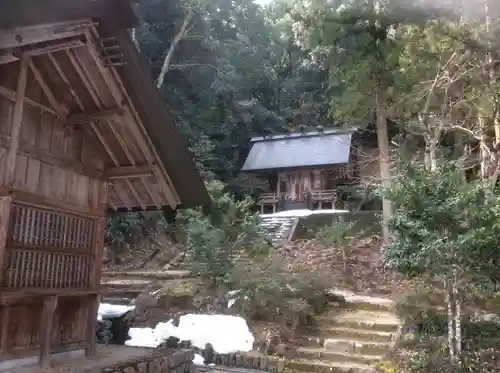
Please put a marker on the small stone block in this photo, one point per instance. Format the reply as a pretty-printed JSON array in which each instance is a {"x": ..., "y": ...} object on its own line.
[
  {"x": 142, "y": 368},
  {"x": 155, "y": 366}
]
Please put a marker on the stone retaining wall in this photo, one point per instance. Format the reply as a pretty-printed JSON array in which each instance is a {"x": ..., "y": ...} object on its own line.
[
  {"x": 162, "y": 361},
  {"x": 247, "y": 360}
]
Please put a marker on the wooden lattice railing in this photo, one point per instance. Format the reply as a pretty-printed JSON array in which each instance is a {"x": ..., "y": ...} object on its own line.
[
  {"x": 323, "y": 194},
  {"x": 48, "y": 249},
  {"x": 269, "y": 198}
]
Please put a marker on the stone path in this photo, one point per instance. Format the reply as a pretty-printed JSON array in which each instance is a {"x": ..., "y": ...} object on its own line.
[{"x": 350, "y": 340}]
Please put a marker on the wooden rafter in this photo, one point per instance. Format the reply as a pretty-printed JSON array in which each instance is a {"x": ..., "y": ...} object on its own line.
[
  {"x": 45, "y": 88},
  {"x": 86, "y": 78},
  {"x": 132, "y": 161},
  {"x": 11, "y": 95},
  {"x": 128, "y": 172},
  {"x": 95, "y": 115},
  {"x": 121, "y": 194},
  {"x": 120, "y": 94},
  {"x": 127, "y": 117}
]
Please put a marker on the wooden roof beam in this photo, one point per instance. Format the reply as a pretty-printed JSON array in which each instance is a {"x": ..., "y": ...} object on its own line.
[
  {"x": 53, "y": 47},
  {"x": 94, "y": 92},
  {"x": 11, "y": 95},
  {"x": 18, "y": 37},
  {"x": 59, "y": 108},
  {"x": 119, "y": 93},
  {"x": 95, "y": 115},
  {"x": 128, "y": 172}
]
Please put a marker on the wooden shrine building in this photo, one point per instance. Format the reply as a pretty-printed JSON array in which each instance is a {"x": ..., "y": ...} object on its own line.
[
  {"x": 307, "y": 169},
  {"x": 83, "y": 130}
]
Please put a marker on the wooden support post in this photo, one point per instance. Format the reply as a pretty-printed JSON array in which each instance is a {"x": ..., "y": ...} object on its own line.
[
  {"x": 49, "y": 309},
  {"x": 94, "y": 300},
  {"x": 5, "y": 206},
  {"x": 4, "y": 330},
  {"x": 17, "y": 119},
  {"x": 92, "y": 308}
]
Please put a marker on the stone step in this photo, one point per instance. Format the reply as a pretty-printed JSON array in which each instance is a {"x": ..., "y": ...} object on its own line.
[
  {"x": 343, "y": 345},
  {"x": 324, "y": 354},
  {"x": 365, "y": 303},
  {"x": 147, "y": 275},
  {"x": 350, "y": 334},
  {"x": 318, "y": 366},
  {"x": 360, "y": 319}
]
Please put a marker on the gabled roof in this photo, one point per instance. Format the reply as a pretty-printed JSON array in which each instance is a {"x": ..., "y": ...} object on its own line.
[
  {"x": 112, "y": 20},
  {"x": 299, "y": 150}
]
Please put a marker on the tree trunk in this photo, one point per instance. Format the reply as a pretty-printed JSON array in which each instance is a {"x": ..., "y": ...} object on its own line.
[
  {"x": 430, "y": 153},
  {"x": 384, "y": 160},
  {"x": 451, "y": 329},
  {"x": 458, "y": 323},
  {"x": 134, "y": 38},
  {"x": 170, "y": 53}
]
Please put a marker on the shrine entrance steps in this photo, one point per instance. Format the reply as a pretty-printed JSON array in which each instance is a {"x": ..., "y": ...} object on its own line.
[{"x": 350, "y": 340}]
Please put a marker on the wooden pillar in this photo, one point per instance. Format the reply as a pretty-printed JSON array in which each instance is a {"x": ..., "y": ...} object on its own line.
[
  {"x": 92, "y": 308},
  {"x": 5, "y": 207},
  {"x": 94, "y": 300},
  {"x": 16, "y": 122},
  {"x": 49, "y": 309}
]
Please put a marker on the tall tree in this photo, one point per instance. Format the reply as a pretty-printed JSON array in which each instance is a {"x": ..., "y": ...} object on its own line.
[{"x": 364, "y": 65}]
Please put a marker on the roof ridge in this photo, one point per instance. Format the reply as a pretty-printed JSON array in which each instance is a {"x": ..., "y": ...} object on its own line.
[{"x": 296, "y": 134}]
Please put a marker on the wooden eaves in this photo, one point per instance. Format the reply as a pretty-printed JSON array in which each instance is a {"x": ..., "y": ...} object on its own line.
[{"x": 95, "y": 81}]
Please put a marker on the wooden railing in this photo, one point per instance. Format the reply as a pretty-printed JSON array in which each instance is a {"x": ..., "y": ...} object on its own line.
[
  {"x": 316, "y": 195},
  {"x": 48, "y": 249},
  {"x": 270, "y": 198},
  {"x": 323, "y": 195}
]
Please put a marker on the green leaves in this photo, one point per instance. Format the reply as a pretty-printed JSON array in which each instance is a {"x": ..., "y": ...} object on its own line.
[
  {"x": 441, "y": 223},
  {"x": 215, "y": 239}
]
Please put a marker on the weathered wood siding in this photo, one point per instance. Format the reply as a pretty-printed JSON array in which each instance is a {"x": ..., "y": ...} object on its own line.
[
  {"x": 53, "y": 161},
  {"x": 55, "y": 226}
]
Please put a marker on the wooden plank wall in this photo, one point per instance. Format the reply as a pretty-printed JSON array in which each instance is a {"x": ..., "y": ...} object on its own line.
[
  {"x": 54, "y": 161},
  {"x": 58, "y": 179}
]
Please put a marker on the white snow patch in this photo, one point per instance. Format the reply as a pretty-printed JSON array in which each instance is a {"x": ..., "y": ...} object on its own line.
[
  {"x": 305, "y": 212},
  {"x": 233, "y": 296},
  {"x": 200, "y": 330},
  {"x": 112, "y": 310},
  {"x": 199, "y": 360}
]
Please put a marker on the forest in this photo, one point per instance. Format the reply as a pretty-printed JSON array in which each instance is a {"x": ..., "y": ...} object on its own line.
[{"x": 233, "y": 69}]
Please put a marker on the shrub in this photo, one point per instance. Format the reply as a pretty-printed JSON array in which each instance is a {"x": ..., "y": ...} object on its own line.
[
  {"x": 270, "y": 292},
  {"x": 216, "y": 238}
]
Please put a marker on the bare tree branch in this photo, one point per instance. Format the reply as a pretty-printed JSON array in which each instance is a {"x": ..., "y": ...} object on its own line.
[{"x": 182, "y": 34}]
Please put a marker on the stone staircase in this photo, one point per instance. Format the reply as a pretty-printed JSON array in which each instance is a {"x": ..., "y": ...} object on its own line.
[
  {"x": 351, "y": 340},
  {"x": 277, "y": 227}
]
